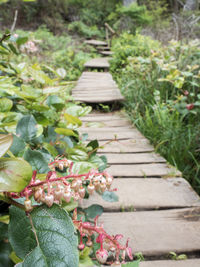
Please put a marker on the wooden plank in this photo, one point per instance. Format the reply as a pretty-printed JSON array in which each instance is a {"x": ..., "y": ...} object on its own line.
[
  {"x": 98, "y": 100},
  {"x": 105, "y": 130},
  {"x": 97, "y": 93},
  {"x": 156, "y": 233},
  {"x": 103, "y": 117},
  {"x": 101, "y": 62},
  {"x": 112, "y": 123},
  {"x": 126, "y": 146},
  {"x": 147, "y": 194},
  {"x": 95, "y": 42},
  {"x": 134, "y": 158},
  {"x": 171, "y": 263},
  {"x": 107, "y": 53},
  {"x": 112, "y": 134},
  {"x": 143, "y": 170}
]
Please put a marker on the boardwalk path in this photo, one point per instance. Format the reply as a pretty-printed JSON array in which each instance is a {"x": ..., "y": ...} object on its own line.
[{"x": 161, "y": 212}]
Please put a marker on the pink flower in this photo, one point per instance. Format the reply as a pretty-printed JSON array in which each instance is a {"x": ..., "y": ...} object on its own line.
[{"x": 190, "y": 106}]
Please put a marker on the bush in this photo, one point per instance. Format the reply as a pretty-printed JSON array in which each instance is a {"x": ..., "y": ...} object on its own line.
[{"x": 161, "y": 87}]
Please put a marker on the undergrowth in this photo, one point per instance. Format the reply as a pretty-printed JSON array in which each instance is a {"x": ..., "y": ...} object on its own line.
[{"x": 161, "y": 87}]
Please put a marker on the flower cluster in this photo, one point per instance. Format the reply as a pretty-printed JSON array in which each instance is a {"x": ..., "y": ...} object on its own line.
[
  {"x": 29, "y": 47},
  {"x": 55, "y": 189},
  {"x": 109, "y": 245}
]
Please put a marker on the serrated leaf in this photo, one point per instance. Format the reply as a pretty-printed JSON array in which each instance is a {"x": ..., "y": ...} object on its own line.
[
  {"x": 15, "y": 174},
  {"x": 27, "y": 128},
  {"x": 77, "y": 154},
  {"x": 37, "y": 160},
  {"x": 110, "y": 196},
  {"x": 21, "y": 236},
  {"x": 56, "y": 237},
  {"x": 5, "y": 143},
  {"x": 72, "y": 119}
]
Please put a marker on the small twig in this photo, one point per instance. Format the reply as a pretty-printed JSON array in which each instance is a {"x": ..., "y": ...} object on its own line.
[{"x": 14, "y": 21}]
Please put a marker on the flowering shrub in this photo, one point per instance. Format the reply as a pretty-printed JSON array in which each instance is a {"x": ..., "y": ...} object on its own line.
[{"x": 44, "y": 225}]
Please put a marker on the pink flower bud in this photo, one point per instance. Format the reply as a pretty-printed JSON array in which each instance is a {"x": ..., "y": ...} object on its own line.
[
  {"x": 90, "y": 188},
  {"x": 81, "y": 192},
  {"x": 103, "y": 187},
  {"x": 49, "y": 199},
  {"x": 89, "y": 242},
  {"x": 67, "y": 196},
  {"x": 38, "y": 194},
  {"x": 81, "y": 246},
  {"x": 58, "y": 193},
  {"x": 28, "y": 205},
  {"x": 102, "y": 255}
]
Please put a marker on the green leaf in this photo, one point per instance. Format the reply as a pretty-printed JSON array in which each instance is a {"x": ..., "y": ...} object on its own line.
[
  {"x": 35, "y": 258},
  {"x": 17, "y": 146},
  {"x": 37, "y": 160},
  {"x": 20, "y": 232},
  {"x": 94, "y": 144},
  {"x": 84, "y": 259},
  {"x": 21, "y": 40},
  {"x": 110, "y": 196},
  {"x": 94, "y": 210},
  {"x": 82, "y": 167},
  {"x": 70, "y": 206},
  {"x": 66, "y": 132},
  {"x": 14, "y": 257},
  {"x": 5, "y": 250},
  {"x": 78, "y": 111},
  {"x": 57, "y": 242},
  {"x": 15, "y": 174},
  {"x": 131, "y": 264},
  {"x": 72, "y": 119},
  {"x": 3, "y": 231},
  {"x": 27, "y": 128},
  {"x": 56, "y": 102},
  {"x": 5, "y": 143},
  {"x": 77, "y": 154},
  {"x": 5, "y": 104},
  {"x": 51, "y": 149}
]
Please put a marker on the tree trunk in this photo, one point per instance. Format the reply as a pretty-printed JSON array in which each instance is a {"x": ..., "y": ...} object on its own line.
[
  {"x": 128, "y": 2},
  {"x": 191, "y": 5}
]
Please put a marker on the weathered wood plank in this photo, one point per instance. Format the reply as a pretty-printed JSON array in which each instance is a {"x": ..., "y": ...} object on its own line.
[
  {"x": 101, "y": 62},
  {"x": 156, "y": 233},
  {"x": 180, "y": 263},
  {"x": 134, "y": 158},
  {"x": 126, "y": 146},
  {"x": 97, "y": 93},
  {"x": 112, "y": 123},
  {"x": 143, "y": 170},
  {"x": 106, "y": 117},
  {"x": 112, "y": 134},
  {"x": 147, "y": 194},
  {"x": 104, "y": 130},
  {"x": 95, "y": 42},
  {"x": 93, "y": 99}
]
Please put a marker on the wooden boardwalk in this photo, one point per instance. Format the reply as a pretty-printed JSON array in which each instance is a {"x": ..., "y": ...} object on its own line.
[
  {"x": 157, "y": 209},
  {"x": 96, "y": 87}
]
